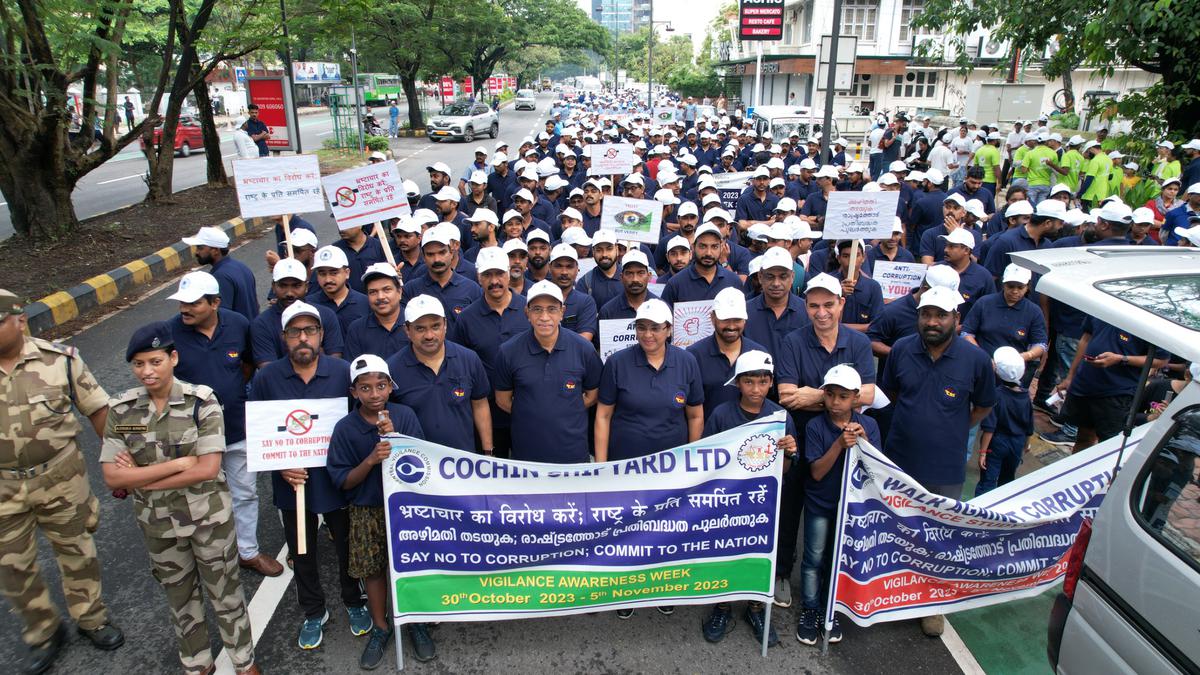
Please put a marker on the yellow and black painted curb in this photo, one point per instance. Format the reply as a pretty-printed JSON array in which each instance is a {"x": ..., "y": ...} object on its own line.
[{"x": 58, "y": 308}]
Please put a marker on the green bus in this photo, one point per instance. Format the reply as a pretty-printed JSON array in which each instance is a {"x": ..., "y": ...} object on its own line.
[{"x": 377, "y": 88}]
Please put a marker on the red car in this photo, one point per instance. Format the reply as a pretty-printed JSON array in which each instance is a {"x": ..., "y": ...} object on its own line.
[{"x": 188, "y": 136}]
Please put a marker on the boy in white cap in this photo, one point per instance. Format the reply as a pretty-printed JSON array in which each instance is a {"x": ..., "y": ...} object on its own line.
[{"x": 1005, "y": 432}]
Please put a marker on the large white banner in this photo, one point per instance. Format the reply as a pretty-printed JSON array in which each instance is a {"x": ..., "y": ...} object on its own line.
[
  {"x": 290, "y": 434},
  {"x": 275, "y": 186},
  {"x": 368, "y": 194}
]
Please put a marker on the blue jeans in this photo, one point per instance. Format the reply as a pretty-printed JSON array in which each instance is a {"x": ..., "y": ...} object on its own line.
[
  {"x": 1037, "y": 193},
  {"x": 875, "y": 164},
  {"x": 1002, "y": 462},
  {"x": 816, "y": 564},
  {"x": 393, "y": 126},
  {"x": 972, "y": 439}
]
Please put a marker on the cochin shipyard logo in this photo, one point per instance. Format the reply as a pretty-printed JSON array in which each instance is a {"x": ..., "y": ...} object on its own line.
[
  {"x": 411, "y": 467},
  {"x": 757, "y": 452}
]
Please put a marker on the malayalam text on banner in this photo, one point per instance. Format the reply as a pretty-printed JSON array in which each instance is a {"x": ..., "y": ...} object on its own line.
[
  {"x": 275, "y": 186},
  {"x": 860, "y": 215},
  {"x": 290, "y": 434},
  {"x": 366, "y": 195}
]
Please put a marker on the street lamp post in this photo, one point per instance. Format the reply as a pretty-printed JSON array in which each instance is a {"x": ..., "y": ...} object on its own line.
[{"x": 650, "y": 56}]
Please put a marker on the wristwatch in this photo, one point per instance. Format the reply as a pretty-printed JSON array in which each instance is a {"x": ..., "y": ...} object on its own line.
[{"x": 1124, "y": 360}]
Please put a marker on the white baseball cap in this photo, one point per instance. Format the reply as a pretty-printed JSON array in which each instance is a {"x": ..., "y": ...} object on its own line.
[
  {"x": 934, "y": 176},
  {"x": 447, "y": 194},
  {"x": 1060, "y": 188},
  {"x": 424, "y": 217},
  {"x": 423, "y": 305},
  {"x": 717, "y": 212},
  {"x": 635, "y": 257},
  {"x": 483, "y": 215},
  {"x": 752, "y": 361},
  {"x": 515, "y": 245},
  {"x": 897, "y": 165},
  {"x": 888, "y": 179},
  {"x": 959, "y": 236},
  {"x": 299, "y": 308},
  {"x": 943, "y": 276},
  {"x": 330, "y": 256},
  {"x": 1016, "y": 274},
  {"x": 655, "y": 311},
  {"x": 1116, "y": 211},
  {"x": 1192, "y": 233},
  {"x": 682, "y": 242},
  {"x": 576, "y": 236},
  {"x": 1021, "y": 207},
  {"x": 827, "y": 172},
  {"x": 781, "y": 231},
  {"x": 537, "y": 233},
  {"x": 776, "y": 257},
  {"x": 1010, "y": 367},
  {"x": 303, "y": 237},
  {"x": 380, "y": 269},
  {"x": 213, "y": 237},
  {"x": 759, "y": 232},
  {"x": 1193, "y": 144},
  {"x": 436, "y": 235},
  {"x": 440, "y": 167},
  {"x": 687, "y": 209},
  {"x": 1194, "y": 188},
  {"x": 1051, "y": 208},
  {"x": 730, "y": 303},
  {"x": 844, "y": 376},
  {"x": 666, "y": 196},
  {"x": 289, "y": 268},
  {"x": 563, "y": 250},
  {"x": 825, "y": 281},
  {"x": 196, "y": 285},
  {"x": 478, "y": 177},
  {"x": 525, "y": 194},
  {"x": 1143, "y": 216},
  {"x": 544, "y": 287},
  {"x": 570, "y": 212},
  {"x": 369, "y": 363},
  {"x": 555, "y": 182},
  {"x": 602, "y": 237},
  {"x": 491, "y": 258},
  {"x": 942, "y": 298},
  {"x": 957, "y": 199},
  {"x": 708, "y": 228}
]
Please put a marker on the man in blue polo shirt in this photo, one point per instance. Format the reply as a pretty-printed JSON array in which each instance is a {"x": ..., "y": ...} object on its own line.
[
  {"x": 717, "y": 353},
  {"x": 290, "y": 284},
  {"x": 235, "y": 279},
  {"x": 443, "y": 382},
  {"x": 1046, "y": 221},
  {"x": 304, "y": 373},
  {"x": 974, "y": 281},
  {"x": 756, "y": 203},
  {"x": 361, "y": 251},
  {"x": 933, "y": 240},
  {"x": 547, "y": 378},
  {"x": 440, "y": 280},
  {"x": 602, "y": 282},
  {"x": 213, "y": 344},
  {"x": 704, "y": 278},
  {"x": 380, "y": 332},
  {"x": 776, "y": 312},
  {"x": 579, "y": 311},
  {"x": 333, "y": 291},
  {"x": 488, "y": 323},
  {"x": 635, "y": 277},
  {"x": 806, "y": 355},
  {"x": 1009, "y": 319}
]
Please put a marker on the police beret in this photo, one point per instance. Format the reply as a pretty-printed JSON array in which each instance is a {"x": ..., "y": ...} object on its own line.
[{"x": 155, "y": 335}]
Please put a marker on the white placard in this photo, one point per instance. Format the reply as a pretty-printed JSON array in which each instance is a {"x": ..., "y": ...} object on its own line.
[
  {"x": 613, "y": 159},
  {"x": 655, "y": 289},
  {"x": 290, "y": 434},
  {"x": 615, "y": 335},
  {"x": 692, "y": 322},
  {"x": 632, "y": 219},
  {"x": 585, "y": 265},
  {"x": 665, "y": 114},
  {"x": 274, "y": 186},
  {"x": 860, "y": 215},
  {"x": 368, "y": 194},
  {"x": 898, "y": 279}
]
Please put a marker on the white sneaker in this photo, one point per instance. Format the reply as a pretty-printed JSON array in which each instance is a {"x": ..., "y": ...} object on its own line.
[{"x": 783, "y": 592}]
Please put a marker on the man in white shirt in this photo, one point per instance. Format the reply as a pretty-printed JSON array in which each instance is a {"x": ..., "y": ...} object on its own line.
[
  {"x": 245, "y": 146},
  {"x": 941, "y": 158},
  {"x": 1015, "y": 139},
  {"x": 961, "y": 147},
  {"x": 875, "y": 154}
]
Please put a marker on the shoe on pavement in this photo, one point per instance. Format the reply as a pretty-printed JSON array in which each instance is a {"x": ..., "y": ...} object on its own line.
[
  {"x": 835, "y": 631},
  {"x": 806, "y": 629},
  {"x": 757, "y": 620},
  {"x": 312, "y": 631},
  {"x": 376, "y": 649},
  {"x": 42, "y": 657},
  {"x": 1057, "y": 420},
  {"x": 422, "y": 643},
  {"x": 107, "y": 637},
  {"x": 666, "y": 610},
  {"x": 263, "y": 564},
  {"x": 783, "y": 592},
  {"x": 1042, "y": 407},
  {"x": 718, "y": 624},
  {"x": 1058, "y": 438},
  {"x": 360, "y": 620},
  {"x": 933, "y": 626},
  {"x": 624, "y": 613}
]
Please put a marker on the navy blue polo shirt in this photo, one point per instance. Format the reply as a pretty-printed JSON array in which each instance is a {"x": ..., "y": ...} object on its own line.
[
  {"x": 932, "y": 243},
  {"x": 619, "y": 308},
  {"x": 1015, "y": 240},
  {"x": 368, "y": 336},
  {"x": 802, "y": 361},
  {"x": 549, "y": 420},
  {"x": 865, "y": 303},
  {"x": 983, "y": 194},
  {"x": 236, "y": 281},
  {"x": 731, "y": 414},
  {"x": 354, "y": 307},
  {"x": 482, "y": 330},
  {"x": 353, "y": 440},
  {"x": 875, "y": 253},
  {"x": 749, "y": 207},
  {"x": 715, "y": 370},
  {"x": 278, "y": 381},
  {"x": 371, "y": 253},
  {"x": 822, "y": 496},
  {"x": 763, "y": 327},
  {"x": 897, "y": 320},
  {"x": 974, "y": 283},
  {"x": 456, "y": 295},
  {"x": 649, "y": 405},
  {"x": 1095, "y": 382},
  {"x": 993, "y": 324},
  {"x": 266, "y": 334},
  {"x": 579, "y": 313},
  {"x": 443, "y": 399},
  {"x": 815, "y": 204},
  {"x": 926, "y": 213},
  {"x": 1013, "y": 413},
  {"x": 689, "y": 286},
  {"x": 600, "y": 287},
  {"x": 217, "y": 363},
  {"x": 933, "y": 401}
]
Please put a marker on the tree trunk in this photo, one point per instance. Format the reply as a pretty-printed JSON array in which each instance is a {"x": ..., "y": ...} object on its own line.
[
  {"x": 214, "y": 165},
  {"x": 1069, "y": 86},
  {"x": 411, "y": 94},
  {"x": 39, "y": 195}
]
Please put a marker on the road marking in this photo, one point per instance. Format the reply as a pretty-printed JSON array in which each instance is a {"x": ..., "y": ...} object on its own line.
[
  {"x": 261, "y": 608},
  {"x": 117, "y": 180},
  {"x": 962, "y": 656},
  {"x": 232, "y": 154},
  {"x": 325, "y": 133}
]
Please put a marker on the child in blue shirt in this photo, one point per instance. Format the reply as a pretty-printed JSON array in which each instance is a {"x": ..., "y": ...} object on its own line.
[
  {"x": 1007, "y": 428},
  {"x": 826, "y": 439}
]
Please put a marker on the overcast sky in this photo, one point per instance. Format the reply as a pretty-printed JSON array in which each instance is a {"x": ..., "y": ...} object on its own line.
[{"x": 686, "y": 16}]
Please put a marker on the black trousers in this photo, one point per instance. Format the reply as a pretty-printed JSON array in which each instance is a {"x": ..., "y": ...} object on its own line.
[
  {"x": 307, "y": 568},
  {"x": 791, "y": 509}
]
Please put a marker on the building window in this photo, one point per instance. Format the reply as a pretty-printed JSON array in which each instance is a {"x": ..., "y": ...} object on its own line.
[
  {"x": 806, "y": 23},
  {"x": 916, "y": 84},
  {"x": 859, "y": 18},
  {"x": 861, "y": 87},
  {"x": 909, "y": 11},
  {"x": 788, "y": 22}
]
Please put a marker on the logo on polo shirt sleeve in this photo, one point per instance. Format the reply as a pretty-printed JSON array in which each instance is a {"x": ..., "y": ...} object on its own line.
[{"x": 680, "y": 398}]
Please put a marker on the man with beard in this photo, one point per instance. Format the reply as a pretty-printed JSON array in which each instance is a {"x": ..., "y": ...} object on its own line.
[
  {"x": 972, "y": 188},
  {"x": 454, "y": 290},
  {"x": 361, "y": 252},
  {"x": 447, "y": 209},
  {"x": 974, "y": 281},
  {"x": 518, "y": 264},
  {"x": 954, "y": 215},
  {"x": 688, "y": 216},
  {"x": 488, "y": 323},
  {"x": 290, "y": 284},
  {"x": 579, "y": 309},
  {"x": 500, "y": 183},
  {"x": 937, "y": 380},
  {"x": 334, "y": 292},
  {"x": 304, "y": 373},
  {"x": 717, "y": 353},
  {"x": 635, "y": 275},
  {"x": 476, "y": 196},
  {"x": 704, "y": 278},
  {"x": 406, "y": 232},
  {"x": 679, "y": 256},
  {"x": 380, "y": 332},
  {"x": 523, "y": 201},
  {"x": 538, "y": 243},
  {"x": 483, "y": 231},
  {"x": 775, "y": 313},
  {"x": 235, "y": 279},
  {"x": 756, "y": 202},
  {"x": 602, "y": 282},
  {"x": 439, "y": 177}
]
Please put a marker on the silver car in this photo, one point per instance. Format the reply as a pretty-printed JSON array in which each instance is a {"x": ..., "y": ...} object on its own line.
[
  {"x": 526, "y": 99},
  {"x": 464, "y": 121},
  {"x": 1131, "y": 594}
]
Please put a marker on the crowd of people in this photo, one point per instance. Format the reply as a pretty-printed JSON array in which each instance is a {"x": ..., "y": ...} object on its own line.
[{"x": 483, "y": 337}]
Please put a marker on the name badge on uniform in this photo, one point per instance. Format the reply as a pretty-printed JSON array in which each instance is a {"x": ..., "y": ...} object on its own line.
[{"x": 131, "y": 428}]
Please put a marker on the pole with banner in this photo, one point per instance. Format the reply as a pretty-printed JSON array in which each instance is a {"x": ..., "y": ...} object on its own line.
[
  {"x": 859, "y": 216},
  {"x": 278, "y": 186}
]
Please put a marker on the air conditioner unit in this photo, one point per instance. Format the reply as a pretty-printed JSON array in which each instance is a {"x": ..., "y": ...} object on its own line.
[{"x": 992, "y": 48}]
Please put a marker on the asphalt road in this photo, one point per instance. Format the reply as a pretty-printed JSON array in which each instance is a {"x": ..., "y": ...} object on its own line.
[{"x": 648, "y": 642}]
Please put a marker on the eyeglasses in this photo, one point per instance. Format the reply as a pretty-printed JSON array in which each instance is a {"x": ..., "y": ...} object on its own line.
[
  {"x": 545, "y": 309},
  {"x": 651, "y": 327},
  {"x": 310, "y": 331}
]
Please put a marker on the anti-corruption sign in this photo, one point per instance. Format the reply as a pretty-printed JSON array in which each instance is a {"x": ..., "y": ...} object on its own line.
[
  {"x": 903, "y": 552},
  {"x": 474, "y": 538},
  {"x": 860, "y": 215},
  {"x": 367, "y": 194}
]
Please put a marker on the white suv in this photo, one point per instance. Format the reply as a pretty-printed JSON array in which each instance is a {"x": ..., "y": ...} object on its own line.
[
  {"x": 464, "y": 121},
  {"x": 525, "y": 99}
]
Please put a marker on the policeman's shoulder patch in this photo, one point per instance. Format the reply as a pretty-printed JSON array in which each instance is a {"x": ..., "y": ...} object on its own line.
[
  {"x": 56, "y": 347},
  {"x": 127, "y": 396},
  {"x": 200, "y": 391}
]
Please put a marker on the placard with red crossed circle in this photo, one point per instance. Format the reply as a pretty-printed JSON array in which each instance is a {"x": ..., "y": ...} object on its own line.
[
  {"x": 365, "y": 195},
  {"x": 291, "y": 434}
]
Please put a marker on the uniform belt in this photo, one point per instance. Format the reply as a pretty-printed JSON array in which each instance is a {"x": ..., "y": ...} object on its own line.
[{"x": 34, "y": 471}]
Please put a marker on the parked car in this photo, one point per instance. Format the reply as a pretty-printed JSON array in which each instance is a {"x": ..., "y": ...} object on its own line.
[
  {"x": 188, "y": 136},
  {"x": 463, "y": 120},
  {"x": 1132, "y": 583},
  {"x": 525, "y": 99},
  {"x": 781, "y": 120}
]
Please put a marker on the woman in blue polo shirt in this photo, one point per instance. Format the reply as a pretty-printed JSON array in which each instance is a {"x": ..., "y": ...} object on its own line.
[
  {"x": 1009, "y": 319},
  {"x": 651, "y": 394}
]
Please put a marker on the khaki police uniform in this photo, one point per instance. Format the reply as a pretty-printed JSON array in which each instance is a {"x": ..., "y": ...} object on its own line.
[
  {"x": 189, "y": 531},
  {"x": 44, "y": 485}
]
